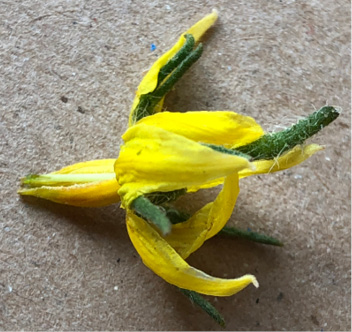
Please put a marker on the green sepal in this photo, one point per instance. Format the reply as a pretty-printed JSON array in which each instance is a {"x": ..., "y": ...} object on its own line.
[
  {"x": 185, "y": 50},
  {"x": 272, "y": 145},
  {"x": 168, "y": 76},
  {"x": 152, "y": 213},
  {"x": 251, "y": 236},
  {"x": 201, "y": 302},
  {"x": 232, "y": 152}
]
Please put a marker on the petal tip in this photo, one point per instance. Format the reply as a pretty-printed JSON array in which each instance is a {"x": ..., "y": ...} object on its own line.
[
  {"x": 255, "y": 282},
  {"x": 251, "y": 279}
]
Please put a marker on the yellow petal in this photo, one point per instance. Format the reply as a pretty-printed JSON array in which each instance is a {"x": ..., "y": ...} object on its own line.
[
  {"x": 87, "y": 184},
  {"x": 93, "y": 194},
  {"x": 188, "y": 236},
  {"x": 162, "y": 259},
  {"x": 224, "y": 128},
  {"x": 150, "y": 80},
  {"x": 223, "y": 206},
  {"x": 289, "y": 159},
  {"x": 207, "y": 185},
  {"x": 153, "y": 159},
  {"x": 89, "y": 167}
]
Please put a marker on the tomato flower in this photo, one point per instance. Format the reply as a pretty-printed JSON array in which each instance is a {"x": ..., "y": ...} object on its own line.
[{"x": 168, "y": 154}]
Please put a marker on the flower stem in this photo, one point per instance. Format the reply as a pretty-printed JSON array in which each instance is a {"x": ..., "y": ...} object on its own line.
[{"x": 272, "y": 145}]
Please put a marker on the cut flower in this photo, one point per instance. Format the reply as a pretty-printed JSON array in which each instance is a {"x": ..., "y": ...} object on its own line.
[{"x": 168, "y": 154}]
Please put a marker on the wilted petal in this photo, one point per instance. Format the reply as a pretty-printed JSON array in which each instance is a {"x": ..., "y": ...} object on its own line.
[
  {"x": 225, "y": 128},
  {"x": 97, "y": 166},
  {"x": 93, "y": 194},
  {"x": 289, "y": 159},
  {"x": 188, "y": 236},
  {"x": 163, "y": 260},
  {"x": 88, "y": 184}
]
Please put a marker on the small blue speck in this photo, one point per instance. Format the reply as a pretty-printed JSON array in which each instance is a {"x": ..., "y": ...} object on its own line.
[
  {"x": 152, "y": 47},
  {"x": 248, "y": 229}
]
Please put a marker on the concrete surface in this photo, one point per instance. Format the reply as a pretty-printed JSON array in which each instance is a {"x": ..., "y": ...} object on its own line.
[{"x": 69, "y": 70}]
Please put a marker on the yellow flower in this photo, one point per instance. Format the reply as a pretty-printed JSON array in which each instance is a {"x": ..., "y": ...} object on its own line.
[
  {"x": 157, "y": 160},
  {"x": 167, "y": 152},
  {"x": 154, "y": 159},
  {"x": 161, "y": 154}
]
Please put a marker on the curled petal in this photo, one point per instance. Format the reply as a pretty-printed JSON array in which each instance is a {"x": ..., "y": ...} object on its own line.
[
  {"x": 289, "y": 159},
  {"x": 163, "y": 260},
  {"x": 224, "y": 128},
  {"x": 188, "y": 236},
  {"x": 150, "y": 80},
  {"x": 87, "y": 184},
  {"x": 153, "y": 159},
  {"x": 93, "y": 194}
]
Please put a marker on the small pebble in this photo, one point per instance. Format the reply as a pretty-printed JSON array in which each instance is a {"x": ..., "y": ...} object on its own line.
[{"x": 80, "y": 110}]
